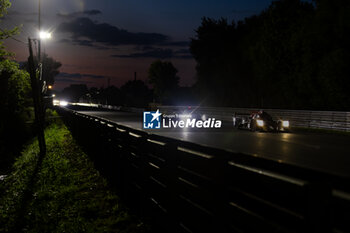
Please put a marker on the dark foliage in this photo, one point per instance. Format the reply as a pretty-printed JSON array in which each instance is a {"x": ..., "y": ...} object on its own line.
[
  {"x": 15, "y": 111},
  {"x": 292, "y": 55},
  {"x": 162, "y": 75},
  {"x": 50, "y": 68},
  {"x": 136, "y": 94},
  {"x": 74, "y": 92},
  {"x": 15, "y": 101},
  {"x": 132, "y": 94}
]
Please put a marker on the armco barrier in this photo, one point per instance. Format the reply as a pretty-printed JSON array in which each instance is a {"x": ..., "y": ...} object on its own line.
[
  {"x": 86, "y": 106},
  {"x": 300, "y": 118},
  {"x": 187, "y": 187},
  {"x": 331, "y": 120}
]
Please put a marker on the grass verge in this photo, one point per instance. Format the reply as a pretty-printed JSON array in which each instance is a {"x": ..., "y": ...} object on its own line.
[{"x": 61, "y": 192}]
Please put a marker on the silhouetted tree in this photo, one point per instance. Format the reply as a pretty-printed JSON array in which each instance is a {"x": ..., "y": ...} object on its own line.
[
  {"x": 15, "y": 100},
  {"x": 162, "y": 75},
  {"x": 136, "y": 93},
  {"x": 50, "y": 68},
  {"x": 294, "y": 54},
  {"x": 111, "y": 96},
  {"x": 74, "y": 92}
]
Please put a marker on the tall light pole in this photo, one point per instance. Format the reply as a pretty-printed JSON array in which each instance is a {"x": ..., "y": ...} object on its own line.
[
  {"x": 38, "y": 87},
  {"x": 39, "y": 27},
  {"x": 38, "y": 101}
]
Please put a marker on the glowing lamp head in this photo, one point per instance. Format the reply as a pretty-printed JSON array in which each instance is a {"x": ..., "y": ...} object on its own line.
[
  {"x": 63, "y": 103},
  {"x": 49, "y": 87},
  {"x": 45, "y": 35},
  {"x": 285, "y": 124},
  {"x": 56, "y": 102},
  {"x": 260, "y": 123}
]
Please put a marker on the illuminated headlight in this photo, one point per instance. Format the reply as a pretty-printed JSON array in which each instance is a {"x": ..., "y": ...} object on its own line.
[
  {"x": 285, "y": 124},
  {"x": 260, "y": 123},
  {"x": 56, "y": 102},
  {"x": 63, "y": 103}
]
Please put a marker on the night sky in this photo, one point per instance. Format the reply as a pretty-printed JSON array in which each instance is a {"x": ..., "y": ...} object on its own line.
[{"x": 96, "y": 40}]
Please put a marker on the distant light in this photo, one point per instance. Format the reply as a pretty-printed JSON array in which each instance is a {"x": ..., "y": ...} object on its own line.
[
  {"x": 285, "y": 124},
  {"x": 63, "y": 103},
  {"x": 260, "y": 123},
  {"x": 45, "y": 35},
  {"x": 53, "y": 95},
  {"x": 56, "y": 102},
  {"x": 49, "y": 87}
]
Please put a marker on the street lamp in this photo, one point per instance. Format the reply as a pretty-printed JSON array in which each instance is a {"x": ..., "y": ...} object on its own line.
[
  {"x": 39, "y": 27},
  {"x": 45, "y": 35},
  {"x": 38, "y": 87}
]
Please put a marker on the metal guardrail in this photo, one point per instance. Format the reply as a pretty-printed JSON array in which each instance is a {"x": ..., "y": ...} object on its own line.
[
  {"x": 332, "y": 120},
  {"x": 106, "y": 107},
  {"x": 187, "y": 187},
  {"x": 300, "y": 118}
]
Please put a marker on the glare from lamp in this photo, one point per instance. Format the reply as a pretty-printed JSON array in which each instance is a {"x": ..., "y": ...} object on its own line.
[
  {"x": 63, "y": 103},
  {"x": 45, "y": 35},
  {"x": 260, "y": 123},
  {"x": 285, "y": 124}
]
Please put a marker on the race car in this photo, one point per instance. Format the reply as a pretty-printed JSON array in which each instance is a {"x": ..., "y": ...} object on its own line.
[{"x": 259, "y": 121}]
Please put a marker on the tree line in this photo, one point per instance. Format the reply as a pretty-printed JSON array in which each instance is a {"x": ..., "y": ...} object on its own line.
[
  {"x": 293, "y": 55},
  {"x": 133, "y": 93},
  {"x": 15, "y": 100}
]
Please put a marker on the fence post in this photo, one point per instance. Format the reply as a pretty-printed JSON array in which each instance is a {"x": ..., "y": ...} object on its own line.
[
  {"x": 170, "y": 150},
  {"x": 319, "y": 216}
]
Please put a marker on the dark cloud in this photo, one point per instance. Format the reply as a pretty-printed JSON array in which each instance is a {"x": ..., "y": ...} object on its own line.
[
  {"x": 17, "y": 13},
  {"x": 183, "y": 53},
  {"x": 177, "y": 43},
  {"x": 244, "y": 12},
  {"x": 70, "y": 76},
  {"x": 65, "y": 41},
  {"x": 79, "y": 13},
  {"x": 144, "y": 48},
  {"x": 67, "y": 80},
  {"x": 86, "y": 43},
  {"x": 158, "y": 53},
  {"x": 108, "y": 34},
  {"x": 14, "y": 15},
  {"x": 93, "y": 12},
  {"x": 155, "y": 53},
  {"x": 89, "y": 43}
]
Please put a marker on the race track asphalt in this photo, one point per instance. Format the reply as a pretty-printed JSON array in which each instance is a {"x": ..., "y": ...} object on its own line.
[{"x": 326, "y": 152}]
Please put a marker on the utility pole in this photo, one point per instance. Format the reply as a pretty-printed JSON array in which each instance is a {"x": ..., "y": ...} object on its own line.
[
  {"x": 37, "y": 99},
  {"x": 39, "y": 27}
]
